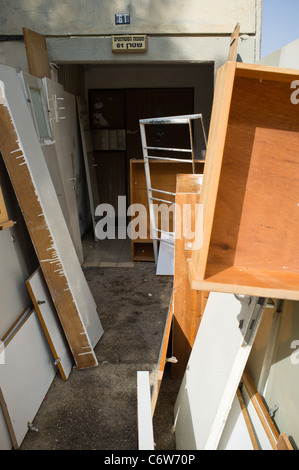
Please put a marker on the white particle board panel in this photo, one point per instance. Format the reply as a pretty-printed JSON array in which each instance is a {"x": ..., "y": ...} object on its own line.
[
  {"x": 144, "y": 412},
  {"x": 36, "y": 195},
  {"x": 47, "y": 314},
  {"x": 26, "y": 374},
  {"x": 13, "y": 293},
  {"x": 214, "y": 370},
  {"x": 89, "y": 161},
  {"x": 165, "y": 263},
  {"x": 235, "y": 435},
  {"x": 63, "y": 124}
]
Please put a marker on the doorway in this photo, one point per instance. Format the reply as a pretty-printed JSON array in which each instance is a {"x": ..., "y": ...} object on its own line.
[{"x": 114, "y": 122}]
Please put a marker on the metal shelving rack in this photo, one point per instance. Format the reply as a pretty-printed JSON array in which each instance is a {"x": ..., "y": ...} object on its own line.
[{"x": 157, "y": 233}]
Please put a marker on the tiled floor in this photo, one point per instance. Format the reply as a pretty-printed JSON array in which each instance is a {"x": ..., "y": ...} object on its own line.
[{"x": 106, "y": 253}]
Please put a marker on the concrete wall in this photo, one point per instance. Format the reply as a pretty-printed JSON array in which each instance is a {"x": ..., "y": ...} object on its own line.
[
  {"x": 94, "y": 17},
  {"x": 178, "y": 31}
]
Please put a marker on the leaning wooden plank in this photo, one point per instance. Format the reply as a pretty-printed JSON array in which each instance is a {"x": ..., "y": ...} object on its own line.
[
  {"x": 37, "y": 53},
  {"x": 162, "y": 357},
  {"x": 51, "y": 147},
  {"x": 36, "y": 195},
  {"x": 188, "y": 304},
  {"x": 144, "y": 413},
  {"x": 217, "y": 360},
  {"x": 26, "y": 374},
  {"x": 47, "y": 315}
]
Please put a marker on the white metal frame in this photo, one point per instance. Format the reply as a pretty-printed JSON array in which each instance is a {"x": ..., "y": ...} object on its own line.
[{"x": 186, "y": 120}]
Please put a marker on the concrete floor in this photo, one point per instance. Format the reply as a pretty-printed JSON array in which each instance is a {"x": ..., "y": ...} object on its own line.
[{"x": 97, "y": 408}]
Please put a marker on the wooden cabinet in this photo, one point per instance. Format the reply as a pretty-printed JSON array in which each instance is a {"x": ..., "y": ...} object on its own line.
[
  {"x": 250, "y": 186},
  {"x": 163, "y": 176}
]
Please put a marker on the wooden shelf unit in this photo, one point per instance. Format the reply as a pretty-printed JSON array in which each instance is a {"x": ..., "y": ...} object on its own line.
[
  {"x": 163, "y": 175},
  {"x": 250, "y": 186}
]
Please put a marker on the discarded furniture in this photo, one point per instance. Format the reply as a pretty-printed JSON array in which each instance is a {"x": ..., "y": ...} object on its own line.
[
  {"x": 4, "y": 219},
  {"x": 250, "y": 186},
  {"x": 152, "y": 152}
]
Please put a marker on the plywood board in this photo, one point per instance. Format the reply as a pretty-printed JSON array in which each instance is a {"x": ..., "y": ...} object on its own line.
[
  {"x": 162, "y": 356},
  {"x": 37, "y": 53},
  {"x": 48, "y": 317},
  {"x": 252, "y": 149},
  {"x": 27, "y": 373},
  {"x": 36, "y": 195},
  {"x": 63, "y": 124}
]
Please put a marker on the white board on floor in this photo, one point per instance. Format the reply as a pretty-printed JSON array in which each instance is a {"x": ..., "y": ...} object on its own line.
[
  {"x": 43, "y": 215},
  {"x": 26, "y": 374},
  {"x": 144, "y": 412},
  {"x": 48, "y": 317}
]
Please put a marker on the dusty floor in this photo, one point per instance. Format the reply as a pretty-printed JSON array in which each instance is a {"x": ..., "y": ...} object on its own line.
[{"x": 97, "y": 408}]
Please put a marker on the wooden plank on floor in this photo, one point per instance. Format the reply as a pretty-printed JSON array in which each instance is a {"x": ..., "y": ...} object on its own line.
[{"x": 46, "y": 225}]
